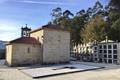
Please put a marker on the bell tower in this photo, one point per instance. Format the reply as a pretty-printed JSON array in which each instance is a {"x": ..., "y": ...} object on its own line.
[{"x": 25, "y": 31}]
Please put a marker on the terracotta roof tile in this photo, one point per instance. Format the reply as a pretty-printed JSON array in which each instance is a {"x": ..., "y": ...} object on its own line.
[{"x": 25, "y": 40}]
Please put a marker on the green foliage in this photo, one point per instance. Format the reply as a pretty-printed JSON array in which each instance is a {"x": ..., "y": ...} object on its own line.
[
  {"x": 56, "y": 14},
  {"x": 67, "y": 14},
  {"x": 113, "y": 17},
  {"x": 113, "y": 20},
  {"x": 94, "y": 30},
  {"x": 115, "y": 31},
  {"x": 98, "y": 9},
  {"x": 92, "y": 24},
  {"x": 114, "y": 5}
]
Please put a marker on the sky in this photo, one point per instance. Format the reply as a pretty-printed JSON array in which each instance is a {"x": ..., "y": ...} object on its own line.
[{"x": 16, "y": 13}]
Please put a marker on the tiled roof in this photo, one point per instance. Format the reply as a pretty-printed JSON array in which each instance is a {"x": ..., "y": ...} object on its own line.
[
  {"x": 25, "y": 40},
  {"x": 50, "y": 26}
]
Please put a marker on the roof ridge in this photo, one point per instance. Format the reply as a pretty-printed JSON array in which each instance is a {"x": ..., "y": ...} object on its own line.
[{"x": 50, "y": 26}]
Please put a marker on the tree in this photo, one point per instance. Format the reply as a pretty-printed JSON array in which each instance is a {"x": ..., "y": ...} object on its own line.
[
  {"x": 56, "y": 14},
  {"x": 113, "y": 10},
  {"x": 115, "y": 31},
  {"x": 94, "y": 30},
  {"x": 114, "y": 5},
  {"x": 66, "y": 19},
  {"x": 61, "y": 18},
  {"x": 97, "y": 9},
  {"x": 113, "y": 19},
  {"x": 67, "y": 14},
  {"x": 89, "y": 13},
  {"x": 75, "y": 24},
  {"x": 78, "y": 23},
  {"x": 80, "y": 13}
]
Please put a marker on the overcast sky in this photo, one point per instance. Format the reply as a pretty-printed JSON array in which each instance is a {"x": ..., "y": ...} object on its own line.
[{"x": 35, "y": 13}]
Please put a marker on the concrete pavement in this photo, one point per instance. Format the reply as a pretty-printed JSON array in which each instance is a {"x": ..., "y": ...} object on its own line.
[{"x": 111, "y": 72}]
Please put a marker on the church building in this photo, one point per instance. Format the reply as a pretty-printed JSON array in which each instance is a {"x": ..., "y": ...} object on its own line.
[{"x": 49, "y": 44}]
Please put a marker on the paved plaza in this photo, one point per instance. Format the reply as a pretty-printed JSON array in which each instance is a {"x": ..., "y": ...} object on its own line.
[
  {"x": 110, "y": 72},
  {"x": 57, "y": 70}
]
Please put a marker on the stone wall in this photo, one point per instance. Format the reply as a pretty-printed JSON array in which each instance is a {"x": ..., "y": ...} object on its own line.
[
  {"x": 9, "y": 54},
  {"x": 24, "y": 54},
  {"x": 56, "y": 46},
  {"x": 38, "y": 35}
]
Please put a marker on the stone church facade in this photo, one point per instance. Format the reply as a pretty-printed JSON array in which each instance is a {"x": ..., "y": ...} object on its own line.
[{"x": 47, "y": 45}]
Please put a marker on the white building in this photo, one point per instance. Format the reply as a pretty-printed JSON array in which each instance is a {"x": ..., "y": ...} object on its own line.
[
  {"x": 106, "y": 51},
  {"x": 109, "y": 52},
  {"x": 84, "y": 52}
]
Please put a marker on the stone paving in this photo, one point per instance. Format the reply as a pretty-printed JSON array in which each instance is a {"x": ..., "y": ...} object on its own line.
[
  {"x": 111, "y": 72},
  {"x": 58, "y": 70}
]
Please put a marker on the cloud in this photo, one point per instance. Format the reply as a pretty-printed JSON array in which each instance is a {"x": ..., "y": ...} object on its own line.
[
  {"x": 9, "y": 30},
  {"x": 45, "y": 2},
  {"x": 7, "y": 36},
  {"x": 7, "y": 27}
]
